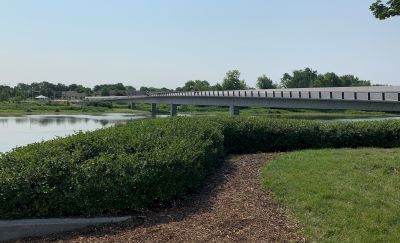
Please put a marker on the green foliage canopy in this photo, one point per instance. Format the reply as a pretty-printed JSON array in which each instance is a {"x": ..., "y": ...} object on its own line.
[
  {"x": 299, "y": 79},
  {"x": 196, "y": 85},
  {"x": 307, "y": 78},
  {"x": 232, "y": 81},
  {"x": 383, "y": 11},
  {"x": 263, "y": 82}
]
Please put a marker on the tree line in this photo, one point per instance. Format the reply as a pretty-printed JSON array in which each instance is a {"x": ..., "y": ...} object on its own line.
[
  {"x": 303, "y": 78},
  {"x": 24, "y": 91}
]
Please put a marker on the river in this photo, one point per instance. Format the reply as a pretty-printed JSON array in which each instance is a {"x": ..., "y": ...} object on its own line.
[{"x": 22, "y": 130}]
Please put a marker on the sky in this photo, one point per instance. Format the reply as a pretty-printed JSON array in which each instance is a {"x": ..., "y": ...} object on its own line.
[{"x": 166, "y": 43}]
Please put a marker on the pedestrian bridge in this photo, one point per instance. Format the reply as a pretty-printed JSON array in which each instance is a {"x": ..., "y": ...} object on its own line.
[{"x": 373, "y": 98}]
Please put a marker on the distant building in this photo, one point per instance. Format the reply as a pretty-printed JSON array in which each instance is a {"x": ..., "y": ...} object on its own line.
[{"x": 72, "y": 95}]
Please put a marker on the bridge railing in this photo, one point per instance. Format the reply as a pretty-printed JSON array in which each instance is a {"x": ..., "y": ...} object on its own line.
[{"x": 325, "y": 95}]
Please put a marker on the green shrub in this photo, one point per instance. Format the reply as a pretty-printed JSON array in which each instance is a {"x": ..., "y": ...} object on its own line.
[
  {"x": 104, "y": 104},
  {"x": 126, "y": 167},
  {"x": 257, "y": 134}
]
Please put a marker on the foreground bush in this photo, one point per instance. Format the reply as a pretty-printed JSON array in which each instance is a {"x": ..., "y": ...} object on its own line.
[
  {"x": 143, "y": 163},
  {"x": 126, "y": 167}
]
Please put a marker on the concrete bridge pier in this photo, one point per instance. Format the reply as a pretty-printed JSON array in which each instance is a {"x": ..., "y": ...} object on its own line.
[
  {"x": 174, "y": 111},
  {"x": 153, "y": 109},
  {"x": 234, "y": 110}
]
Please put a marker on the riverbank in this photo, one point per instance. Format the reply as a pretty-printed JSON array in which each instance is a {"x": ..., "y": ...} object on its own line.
[
  {"x": 98, "y": 108},
  {"x": 60, "y": 107}
]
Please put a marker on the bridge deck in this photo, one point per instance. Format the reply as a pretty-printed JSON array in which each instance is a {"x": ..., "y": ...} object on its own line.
[{"x": 380, "y": 98}]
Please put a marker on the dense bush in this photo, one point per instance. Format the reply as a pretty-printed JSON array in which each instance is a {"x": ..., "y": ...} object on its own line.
[
  {"x": 104, "y": 104},
  {"x": 126, "y": 167},
  {"x": 257, "y": 134},
  {"x": 147, "y": 162}
]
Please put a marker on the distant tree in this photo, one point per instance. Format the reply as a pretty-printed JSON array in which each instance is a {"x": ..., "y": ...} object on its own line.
[
  {"x": 351, "y": 80},
  {"x": 327, "y": 80},
  {"x": 24, "y": 91},
  {"x": 152, "y": 89},
  {"x": 73, "y": 87},
  {"x": 129, "y": 90},
  {"x": 4, "y": 95},
  {"x": 299, "y": 78},
  {"x": 148, "y": 89},
  {"x": 5, "y": 92},
  {"x": 105, "y": 91},
  {"x": 164, "y": 89},
  {"x": 383, "y": 11},
  {"x": 364, "y": 83},
  {"x": 232, "y": 81},
  {"x": 216, "y": 87},
  {"x": 143, "y": 89},
  {"x": 263, "y": 82},
  {"x": 118, "y": 86},
  {"x": 18, "y": 98},
  {"x": 196, "y": 85}
]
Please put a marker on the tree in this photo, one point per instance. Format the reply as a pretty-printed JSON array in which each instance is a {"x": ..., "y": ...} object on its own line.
[
  {"x": 5, "y": 92},
  {"x": 232, "y": 81},
  {"x": 216, "y": 87},
  {"x": 263, "y": 82},
  {"x": 196, "y": 85},
  {"x": 299, "y": 79},
  {"x": 327, "y": 80},
  {"x": 351, "y": 80},
  {"x": 105, "y": 91},
  {"x": 383, "y": 11},
  {"x": 4, "y": 96}
]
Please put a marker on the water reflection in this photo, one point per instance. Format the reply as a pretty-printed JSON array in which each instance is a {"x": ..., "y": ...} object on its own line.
[{"x": 21, "y": 130}]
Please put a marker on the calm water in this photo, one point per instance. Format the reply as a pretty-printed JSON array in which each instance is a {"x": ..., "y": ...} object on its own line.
[{"x": 22, "y": 130}]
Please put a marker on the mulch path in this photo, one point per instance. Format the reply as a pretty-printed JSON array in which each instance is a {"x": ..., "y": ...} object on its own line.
[{"x": 230, "y": 207}]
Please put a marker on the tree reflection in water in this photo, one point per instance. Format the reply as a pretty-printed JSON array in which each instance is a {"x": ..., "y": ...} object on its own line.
[{"x": 21, "y": 130}]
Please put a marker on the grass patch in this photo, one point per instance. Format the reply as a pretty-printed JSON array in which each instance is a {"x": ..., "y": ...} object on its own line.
[{"x": 340, "y": 195}]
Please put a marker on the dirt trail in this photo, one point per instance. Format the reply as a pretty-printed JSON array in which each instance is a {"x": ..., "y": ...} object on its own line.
[{"x": 231, "y": 207}]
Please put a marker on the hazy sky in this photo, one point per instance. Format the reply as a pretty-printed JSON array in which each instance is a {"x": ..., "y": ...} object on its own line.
[{"x": 165, "y": 43}]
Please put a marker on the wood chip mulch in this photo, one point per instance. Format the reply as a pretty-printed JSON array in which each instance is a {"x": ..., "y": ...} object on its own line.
[{"x": 231, "y": 207}]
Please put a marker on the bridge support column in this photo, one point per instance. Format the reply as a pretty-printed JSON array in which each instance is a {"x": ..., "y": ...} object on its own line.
[
  {"x": 174, "y": 110},
  {"x": 153, "y": 109},
  {"x": 234, "y": 110}
]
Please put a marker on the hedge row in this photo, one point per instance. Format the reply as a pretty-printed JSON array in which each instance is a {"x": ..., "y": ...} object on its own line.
[
  {"x": 257, "y": 134},
  {"x": 147, "y": 162},
  {"x": 126, "y": 167}
]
